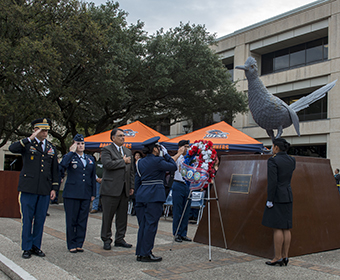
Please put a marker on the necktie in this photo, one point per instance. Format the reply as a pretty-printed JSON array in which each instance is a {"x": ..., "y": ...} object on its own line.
[{"x": 40, "y": 145}]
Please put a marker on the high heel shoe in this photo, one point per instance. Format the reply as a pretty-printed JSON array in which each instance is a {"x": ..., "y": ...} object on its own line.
[
  {"x": 279, "y": 262},
  {"x": 285, "y": 261}
]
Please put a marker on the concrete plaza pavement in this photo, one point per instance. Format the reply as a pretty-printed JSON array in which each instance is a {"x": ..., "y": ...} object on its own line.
[{"x": 186, "y": 260}]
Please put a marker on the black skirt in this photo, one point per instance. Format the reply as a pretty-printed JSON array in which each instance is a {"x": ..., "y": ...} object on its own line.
[{"x": 279, "y": 216}]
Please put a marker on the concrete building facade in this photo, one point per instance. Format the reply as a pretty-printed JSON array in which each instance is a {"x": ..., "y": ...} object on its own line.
[{"x": 297, "y": 52}]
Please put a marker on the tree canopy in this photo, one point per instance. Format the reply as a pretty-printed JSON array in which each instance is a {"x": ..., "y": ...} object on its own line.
[{"x": 84, "y": 67}]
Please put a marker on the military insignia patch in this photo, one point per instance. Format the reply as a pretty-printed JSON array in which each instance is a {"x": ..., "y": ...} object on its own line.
[
  {"x": 90, "y": 161},
  {"x": 32, "y": 157},
  {"x": 190, "y": 174},
  {"x": 50, "y": 152},
  {"x": 183, "y": 172},
  {"x": 74, "y": 166},
  {"x": 32, "y": 149},
  {"x": 197, "y": 176}
]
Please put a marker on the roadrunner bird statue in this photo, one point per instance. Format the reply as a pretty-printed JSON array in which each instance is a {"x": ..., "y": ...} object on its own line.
[{"x": 269, "y": 111}]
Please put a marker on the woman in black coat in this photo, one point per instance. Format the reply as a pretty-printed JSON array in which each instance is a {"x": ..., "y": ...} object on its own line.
[{"x": 279, "y": 208}]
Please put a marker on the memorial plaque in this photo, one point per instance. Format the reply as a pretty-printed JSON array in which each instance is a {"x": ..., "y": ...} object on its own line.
[{"x": 240, "y": 183}]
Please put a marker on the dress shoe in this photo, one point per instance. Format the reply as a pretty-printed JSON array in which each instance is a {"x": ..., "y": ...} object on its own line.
[
  {"x": 123, "y": 244},
  {"x": 36, "y": 251},
  {"x": 73, "y": 251},
  {"x": 107, "y": 246},
  {"x": 279, "y": 262},
  {"x": 150, "y": 258},
  {"x": 285, "y": 261},
  {"x": 178, "y": 238},
  {"x": 185, "y": 238},
  {"x": 80, "y": 250},
  {"x": 47, "y": 214},
  {"x": 26, "y": 254},
  {"x": 93, "y": 211},
  {"x": 138, "y": 258}
]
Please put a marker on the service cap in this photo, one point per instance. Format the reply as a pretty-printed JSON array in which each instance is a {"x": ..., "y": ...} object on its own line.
[
  {"x": 151, "y": 141},
  {"x": 78, "y": 138},
  {"x": 42, "y": 123}
]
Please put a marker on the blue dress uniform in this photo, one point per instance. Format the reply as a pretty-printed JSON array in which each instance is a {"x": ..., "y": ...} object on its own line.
[
  {"x": 79, "y": 187},
  {"x": 150, "y": 196},
  {"x": 38, "y": 177}
]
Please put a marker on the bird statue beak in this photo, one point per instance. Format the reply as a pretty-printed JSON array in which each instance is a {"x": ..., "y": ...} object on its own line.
[{"x": 242, "y": 67}]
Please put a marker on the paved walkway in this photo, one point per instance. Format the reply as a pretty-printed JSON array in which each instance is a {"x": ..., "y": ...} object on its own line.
[{"x": 186, "y": 260}]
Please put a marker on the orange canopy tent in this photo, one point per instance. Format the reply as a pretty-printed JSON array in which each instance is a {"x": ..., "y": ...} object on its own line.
[
  {"x": 224, "y": 137},
  {"x": 135, "y": 134}
]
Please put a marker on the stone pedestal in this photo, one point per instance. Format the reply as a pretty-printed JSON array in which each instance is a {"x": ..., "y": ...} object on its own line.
[
  {"x": 316, "y": 207},
  {"x": 9, "y": 205}
]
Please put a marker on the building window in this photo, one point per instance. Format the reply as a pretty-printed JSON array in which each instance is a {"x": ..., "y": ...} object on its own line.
[
  {"x": 296, "y": 56},
  {"x": 316, "y": 111},
  {"x": 309, "y": 151},
  {"x": 230, "y": 68}
]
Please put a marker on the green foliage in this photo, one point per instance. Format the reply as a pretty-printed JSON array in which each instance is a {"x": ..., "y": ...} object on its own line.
[{"x": 85, "y": 68}]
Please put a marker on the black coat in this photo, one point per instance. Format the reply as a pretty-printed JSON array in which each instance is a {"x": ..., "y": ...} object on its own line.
[
  {"x": 39, "y": 174},
  {"x": 280, "y": 171},
  {"x": 279, "y": 191}
]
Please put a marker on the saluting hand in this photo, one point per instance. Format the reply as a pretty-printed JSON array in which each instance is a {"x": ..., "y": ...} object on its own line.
[
  {"x": 127, "y": 159},
  {"x": 73, "y": 148},
  {"x": 181, "y": 150},
  {"x": 34, "y": 134}
]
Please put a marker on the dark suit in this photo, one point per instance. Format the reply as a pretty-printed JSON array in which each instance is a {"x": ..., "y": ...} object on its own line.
[
  {"x": 79, "y": 187},
  {"x": 150, "y": 196},
  {"x": 117, "y": 180},
  {"x": 280, "y": 171},
  {"x": 39, "y": 175}
]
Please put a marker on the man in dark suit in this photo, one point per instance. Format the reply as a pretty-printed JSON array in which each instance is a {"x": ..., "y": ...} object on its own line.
[
  {"x": 38, "y": 184},
  {"x": 116, "y": 187}
]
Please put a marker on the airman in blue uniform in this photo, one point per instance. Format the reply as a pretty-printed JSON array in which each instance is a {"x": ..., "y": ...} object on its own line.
[
  {"x": 150, "y": 196},
  {"x": 79, "y": 190},
  {"x": 38, "y": 183}
]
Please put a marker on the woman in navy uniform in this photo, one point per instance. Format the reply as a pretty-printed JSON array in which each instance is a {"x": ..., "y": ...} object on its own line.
[
  {"x": 79, "y": 191},
  {"x": 150, "y": 196},
  {"x": 279, "y": 208},
  {"x": 38, "y": 183}
]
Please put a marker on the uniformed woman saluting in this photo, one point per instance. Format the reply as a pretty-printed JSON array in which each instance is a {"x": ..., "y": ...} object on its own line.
[
  {"x": 278, "y": 212},
  {"x": 150, "y": 196},
  {"x": 79, "y": 191}
]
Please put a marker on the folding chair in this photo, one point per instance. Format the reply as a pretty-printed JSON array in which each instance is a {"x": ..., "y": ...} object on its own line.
[
  {"x": 167, "y": 204},
  {"x": 197, "y": 201}
]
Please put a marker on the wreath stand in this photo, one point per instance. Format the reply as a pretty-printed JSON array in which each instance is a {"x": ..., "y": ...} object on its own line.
[{"x": 208, "y": 199}]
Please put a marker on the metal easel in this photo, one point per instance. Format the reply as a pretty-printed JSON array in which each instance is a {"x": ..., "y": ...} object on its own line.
[{"x": 208, "y": 199}]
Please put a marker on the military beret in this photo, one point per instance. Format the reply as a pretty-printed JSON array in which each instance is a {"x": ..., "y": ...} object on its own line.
[
  {"x": 78, "y": 138},
  {"x": 151, "y": 141},
  {"x": 183, "y": 142},
  {"x": 42, "y": 123}
]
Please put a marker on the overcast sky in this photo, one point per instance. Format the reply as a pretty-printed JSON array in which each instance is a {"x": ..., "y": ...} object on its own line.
[{"x": 219, "y": 16}]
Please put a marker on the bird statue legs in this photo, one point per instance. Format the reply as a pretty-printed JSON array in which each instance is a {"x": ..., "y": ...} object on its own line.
[
  {"x": 270, "y": 133},
  {"x": 279, "y": 132}
]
